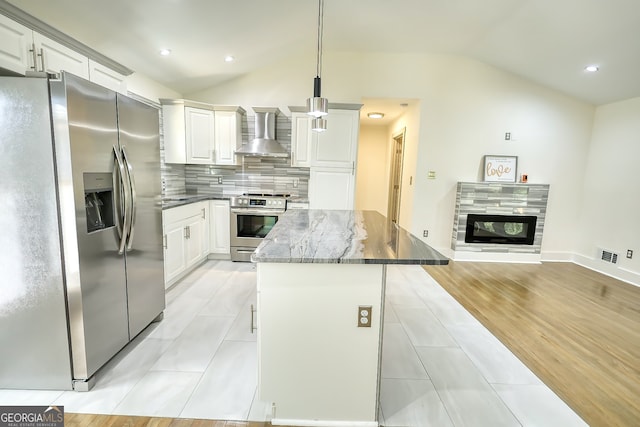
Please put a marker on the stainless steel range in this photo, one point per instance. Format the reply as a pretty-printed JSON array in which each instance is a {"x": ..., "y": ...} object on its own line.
[{"x": 252, "y": 217}]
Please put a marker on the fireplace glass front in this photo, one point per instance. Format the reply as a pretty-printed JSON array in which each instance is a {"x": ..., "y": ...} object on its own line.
[{"x": 500, "y": 229}]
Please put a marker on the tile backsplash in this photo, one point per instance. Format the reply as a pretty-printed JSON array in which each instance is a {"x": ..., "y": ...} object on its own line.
[{"x": 253, "y": 175}]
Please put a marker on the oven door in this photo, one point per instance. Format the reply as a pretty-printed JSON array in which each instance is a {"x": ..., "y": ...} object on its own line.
[{"x": 250, "y": 226}]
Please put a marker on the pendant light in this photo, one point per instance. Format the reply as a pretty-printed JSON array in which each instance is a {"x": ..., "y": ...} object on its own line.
[{"x": 318, "y": 106}]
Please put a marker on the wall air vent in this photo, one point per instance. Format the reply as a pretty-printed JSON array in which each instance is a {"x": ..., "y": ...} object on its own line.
[{"x": 608, "y": 256}]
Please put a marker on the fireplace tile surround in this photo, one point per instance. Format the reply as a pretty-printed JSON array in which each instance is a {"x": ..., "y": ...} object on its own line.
[{"x": 497, "y": 198}]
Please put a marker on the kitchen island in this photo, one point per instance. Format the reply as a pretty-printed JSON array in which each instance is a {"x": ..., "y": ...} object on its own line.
[{"x": 321, "y": 286}]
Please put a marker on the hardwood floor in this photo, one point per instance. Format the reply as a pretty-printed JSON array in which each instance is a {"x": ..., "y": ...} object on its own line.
[
  {"x": 577, "y": 330},
  {"x": 89, "y": 420}
]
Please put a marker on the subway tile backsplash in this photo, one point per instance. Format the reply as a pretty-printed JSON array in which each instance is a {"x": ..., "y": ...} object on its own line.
[{"x": 253, "y": 175}]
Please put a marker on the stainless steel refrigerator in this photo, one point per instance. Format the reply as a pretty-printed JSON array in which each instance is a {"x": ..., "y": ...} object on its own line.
[{"x": 81, "y": 260}]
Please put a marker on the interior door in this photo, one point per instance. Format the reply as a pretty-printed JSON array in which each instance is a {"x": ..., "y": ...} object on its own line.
[{"x": 139, "y": 130}]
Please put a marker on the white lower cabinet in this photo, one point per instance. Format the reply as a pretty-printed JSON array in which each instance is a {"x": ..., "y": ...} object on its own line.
[
  {"x": 186, "y": 243},
  {"x": 331, "y": 188},
  {"x": 175, "y": 261},
  {"x": 219, "y": 232}
]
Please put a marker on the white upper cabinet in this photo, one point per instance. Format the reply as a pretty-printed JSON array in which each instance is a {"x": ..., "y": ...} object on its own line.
[
  {"x": 52, "y": 57},
  {"x": 23, "y": 49},
  {"x": 337, "y": 147},
  {"x": 15, "y": 42},
  {"x": 300, "y": 139},
  {"x": 228, "y": 136},
  {"x": 198, "y": 133},
  {"x": 106, "y": 77}
]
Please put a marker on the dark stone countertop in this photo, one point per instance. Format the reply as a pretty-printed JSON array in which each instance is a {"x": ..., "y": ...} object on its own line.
[
  {"x": 175, "y": 200},
  {"x": 344, "y": 237}
]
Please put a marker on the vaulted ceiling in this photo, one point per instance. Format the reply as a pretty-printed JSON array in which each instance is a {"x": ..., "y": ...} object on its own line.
[{"x": 547, "y": 41}]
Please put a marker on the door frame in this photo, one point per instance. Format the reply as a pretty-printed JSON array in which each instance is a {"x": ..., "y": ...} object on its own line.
[{"x": 395, "y": 175}]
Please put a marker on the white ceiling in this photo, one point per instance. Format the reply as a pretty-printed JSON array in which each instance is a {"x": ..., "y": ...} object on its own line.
[{"x": 547, "y": 41}]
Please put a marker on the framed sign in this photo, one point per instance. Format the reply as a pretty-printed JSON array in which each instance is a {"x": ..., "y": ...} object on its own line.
[{"x": 500, "y": 168}]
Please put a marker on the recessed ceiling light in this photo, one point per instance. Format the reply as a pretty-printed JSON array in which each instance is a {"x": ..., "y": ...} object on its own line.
[
  {"x": 375, "y": 115},
  {"x": 229, "y": 58},
  {"x": 591, "y": 68},
  {"x": 165, "y": 52}
]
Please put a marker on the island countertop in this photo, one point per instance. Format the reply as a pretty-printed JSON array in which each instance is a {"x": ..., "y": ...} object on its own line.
[{"x": 343, "y": 237}]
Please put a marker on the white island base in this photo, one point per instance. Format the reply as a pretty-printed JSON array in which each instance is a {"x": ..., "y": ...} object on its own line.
[{"x": 315, "y": 364}]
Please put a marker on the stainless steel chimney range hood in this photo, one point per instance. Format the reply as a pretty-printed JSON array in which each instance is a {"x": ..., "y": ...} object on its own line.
[{"x": 265, "y": 143}]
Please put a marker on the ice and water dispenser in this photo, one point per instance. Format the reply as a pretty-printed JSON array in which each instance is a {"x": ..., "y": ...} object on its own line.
[{"x": 98, "y": 201}]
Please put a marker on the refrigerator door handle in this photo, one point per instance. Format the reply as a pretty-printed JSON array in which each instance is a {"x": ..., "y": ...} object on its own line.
[
  {"x": 119, "y": 185},
  {"x": 134, "y": 201}
]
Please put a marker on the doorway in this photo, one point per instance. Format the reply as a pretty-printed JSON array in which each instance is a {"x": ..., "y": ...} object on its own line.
[{"x": 395, "y": 177}]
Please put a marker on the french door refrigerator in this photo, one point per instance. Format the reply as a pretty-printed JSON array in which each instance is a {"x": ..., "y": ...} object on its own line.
[{"x": 81, "y": 260}]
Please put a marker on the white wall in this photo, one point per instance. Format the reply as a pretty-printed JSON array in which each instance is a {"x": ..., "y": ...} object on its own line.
[
  {"x": 608, "y": 217},
  {"x": 372, "y": 177},
  {"x": 143, "y": 86},
  {"x": 465, "y": 108}
]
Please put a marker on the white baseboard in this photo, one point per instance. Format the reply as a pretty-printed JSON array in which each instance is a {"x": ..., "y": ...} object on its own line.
[
  {"x": 496, "y": 257},
  {"x": 608, "y": 269},
  {"x": 611, "y": 270},
  {"x": 321, "y": 423},
  {"x": 558, "y": 256}
]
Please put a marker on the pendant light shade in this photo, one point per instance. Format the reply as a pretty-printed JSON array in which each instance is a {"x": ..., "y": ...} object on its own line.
[
  {"x": 317, "y": 106},
  {"x": 319, "y": 124}
]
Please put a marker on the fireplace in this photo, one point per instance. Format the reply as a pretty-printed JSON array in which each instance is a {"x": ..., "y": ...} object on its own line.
[{"x": 500, "y": 229}]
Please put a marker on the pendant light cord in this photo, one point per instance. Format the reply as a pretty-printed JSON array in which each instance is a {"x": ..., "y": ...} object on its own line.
[{"x": 320, "y": 31}]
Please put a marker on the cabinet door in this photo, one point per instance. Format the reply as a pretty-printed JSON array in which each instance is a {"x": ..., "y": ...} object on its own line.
[
  {"x": 173, "y": 126},
  {"x": 205, "y": 218},
  {"x": 53, "y": 57},
  {"x": 337, "y": 146},
  {"x": 193, "y": 236},
  {"x": 219, "y": 231},
  {"x": 174, "y": 251},
  {"x": 331, "y": 188},
  {"x": 106, "y": 77},
  {"x": 15, "y": 42},
  {"x": 301, "y": 139},
  {"x": 199, "y": 135},
  {"x": 228, "y": 136}
]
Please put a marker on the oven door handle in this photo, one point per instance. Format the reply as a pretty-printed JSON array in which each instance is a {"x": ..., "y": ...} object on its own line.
[{"x": 257, "y": 212}]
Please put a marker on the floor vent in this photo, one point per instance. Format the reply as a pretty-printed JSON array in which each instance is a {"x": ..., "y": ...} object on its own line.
[{"x": 609, "y": 256}]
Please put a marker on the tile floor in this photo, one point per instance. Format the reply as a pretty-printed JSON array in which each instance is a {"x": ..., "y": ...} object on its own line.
[{"x": 441, "y": 367}]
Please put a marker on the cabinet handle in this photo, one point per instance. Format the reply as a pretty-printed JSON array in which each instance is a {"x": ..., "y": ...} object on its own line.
[
  {"x": 203, "y": 214},
  {"x": 293, "y": 158},
  {"x": 35, "y": 57},
  {"x": 186, "y": 232},
  {"x": 41, "y": 55},
  {"x": 353, "y": 168},
  {"x": 164, "y": 241},
  {"x": 251, "y": 327}
]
